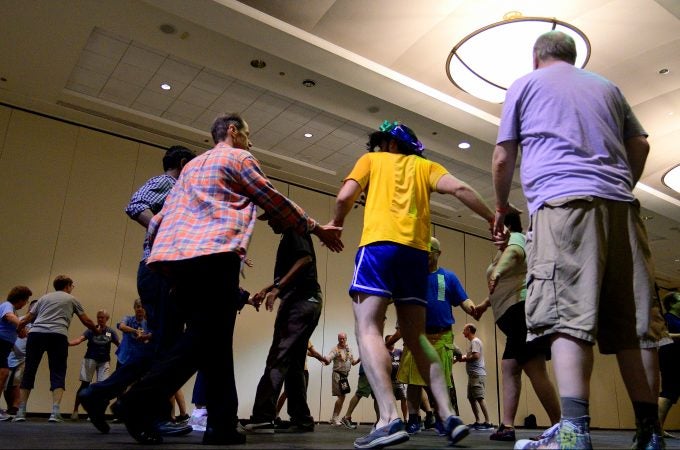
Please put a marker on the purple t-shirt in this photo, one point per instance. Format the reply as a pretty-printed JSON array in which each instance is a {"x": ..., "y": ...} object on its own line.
[{"x": 571, "y": 125}]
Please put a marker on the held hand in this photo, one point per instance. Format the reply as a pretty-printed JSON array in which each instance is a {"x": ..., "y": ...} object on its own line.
[
  {"x": 499, "y": 233},
  {"x": 248, "y": 262},
  {"x": 329, "y": 235},
  {"x": 254, "y": 302},
  {"x": 22, "y": 333},
  {"x": 270, "y": 299}
]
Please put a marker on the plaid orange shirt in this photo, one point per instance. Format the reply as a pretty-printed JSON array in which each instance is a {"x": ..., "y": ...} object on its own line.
[{"x": 212, "y": 210}]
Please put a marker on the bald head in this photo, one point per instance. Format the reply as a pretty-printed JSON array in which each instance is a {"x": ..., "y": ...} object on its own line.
[{"x": 342, "y": 339}]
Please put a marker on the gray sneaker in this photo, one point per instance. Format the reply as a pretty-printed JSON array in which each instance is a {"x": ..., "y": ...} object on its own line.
[
  {"x": 55, "y": 418},
  {"x": 391, "y": 434},
  {"x": 4, "y": 416},
  {"x": 260, "y": 428},
  {"x": 20, "y": 417}
]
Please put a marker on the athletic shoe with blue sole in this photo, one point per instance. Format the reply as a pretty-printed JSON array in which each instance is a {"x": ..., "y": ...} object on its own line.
[{"x": 391, "y": 434}]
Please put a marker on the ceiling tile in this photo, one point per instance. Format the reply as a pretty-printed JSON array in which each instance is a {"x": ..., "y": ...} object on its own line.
[
  {"x": 351, "y": 132},
  {"x": 272, "y": 102},
  {"x": 155, "y": 100},
  {"x": 333, "y": 142},
  {"x": 316, "y": 153},
  {"x": 155, "y": 85},
  {"x": 197, "y": 96},
  {"x": 185, "y": 109},
  {"x": 126, "y": 93},
  {"x": 87, "y": 90},
  {"x": 282, "y": 124},
  {"x": 299, "y": 113},
  {"x": 132, "y": 74},
  {"x": 96, "y": 62},
  {"x": 87, "y": 77},
  {"x": 267, "y": 138},
  {"x": 179, "y": 70},
  {"x": 211, "y": 81},
  {"x": 143, "y": 58},
  {"x": 107, "y": 44}
]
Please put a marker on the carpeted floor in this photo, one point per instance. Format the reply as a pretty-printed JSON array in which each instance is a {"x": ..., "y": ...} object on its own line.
[{"x": 37, "y": 433}]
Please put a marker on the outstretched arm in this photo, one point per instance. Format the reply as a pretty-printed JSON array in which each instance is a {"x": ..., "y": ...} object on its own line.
[
  {"x": 448, "y": 184},
  {"x": 344, "y": 201},
  {"x": 502, "y": 170}
]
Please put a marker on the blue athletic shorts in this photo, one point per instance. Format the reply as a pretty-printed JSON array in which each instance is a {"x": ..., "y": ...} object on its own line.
[{"x": 390, "y": 270}]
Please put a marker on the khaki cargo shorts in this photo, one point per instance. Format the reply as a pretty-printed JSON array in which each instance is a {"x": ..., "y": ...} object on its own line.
[{"x": 590, "y": 275}]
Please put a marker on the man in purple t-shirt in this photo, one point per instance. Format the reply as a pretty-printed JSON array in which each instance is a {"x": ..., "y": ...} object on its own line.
[{"x": 588, "y": 258}]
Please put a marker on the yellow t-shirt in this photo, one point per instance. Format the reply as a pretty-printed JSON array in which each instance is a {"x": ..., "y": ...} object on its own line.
[{"x": 398, "y": 189}]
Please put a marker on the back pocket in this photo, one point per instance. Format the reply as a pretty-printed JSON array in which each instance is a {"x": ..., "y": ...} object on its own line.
[{"x": 541, "y": 301}]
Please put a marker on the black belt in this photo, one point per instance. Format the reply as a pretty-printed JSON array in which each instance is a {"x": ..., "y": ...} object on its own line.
[{"x": 437, "y": 330}]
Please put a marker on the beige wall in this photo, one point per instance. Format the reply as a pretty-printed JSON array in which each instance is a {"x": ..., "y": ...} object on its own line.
[{"x": 63, "y": 189}]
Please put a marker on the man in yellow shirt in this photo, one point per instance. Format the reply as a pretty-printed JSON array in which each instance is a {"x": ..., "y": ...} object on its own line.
[{"x": 392, "y": 265}]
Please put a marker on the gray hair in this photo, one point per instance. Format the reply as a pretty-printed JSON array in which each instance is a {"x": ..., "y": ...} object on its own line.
[{"x": 555, "y": 45}]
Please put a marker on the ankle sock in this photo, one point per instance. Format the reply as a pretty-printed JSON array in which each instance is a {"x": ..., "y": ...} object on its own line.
[{"x": 573, "y": 407}]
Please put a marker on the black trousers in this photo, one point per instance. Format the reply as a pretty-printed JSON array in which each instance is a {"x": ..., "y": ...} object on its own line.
[
  {"x": 296, "y": 320},
  {"x": 56, "y": 346},
  {"x": 165, "y": 322},
  {"x": 207, "y": 289}
]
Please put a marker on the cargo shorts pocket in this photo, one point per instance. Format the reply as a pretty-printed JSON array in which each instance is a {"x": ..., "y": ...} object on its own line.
[{"x": 541, "y": 300}]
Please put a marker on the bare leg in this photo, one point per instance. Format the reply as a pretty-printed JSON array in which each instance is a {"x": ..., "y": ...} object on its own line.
[
  {"x": 353, "y": 402},
  {"x": 412, "y": 325},
  {"x": 573, "y": 366},
  {"x": 512, "y": 387},
  {"x": 538, "y": 375},
  {"x": 57, "y": 394},
  {"x": 664, "y": 406},
  {"x": 369, "y": 317},
  {"x": 181, "y": 403},
  {"x": 482, "y": 405},
  {"x": 640, "y": 371},
  {"x": 414, "y": 396},
  {"x": 337, "y": 409},
  {"x": 404, "y": 409},
  {"x": 475, "y": 409}
]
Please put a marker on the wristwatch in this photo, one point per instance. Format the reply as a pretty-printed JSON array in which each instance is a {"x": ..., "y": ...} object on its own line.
[{"x": 277, "y": 284}]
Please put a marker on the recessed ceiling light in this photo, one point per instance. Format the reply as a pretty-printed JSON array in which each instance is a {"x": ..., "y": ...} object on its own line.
[
  {"x": 166, "y": 87},
  {"x": 168, "y": 28},
  {"x": 664, "y": 71},
  {"x": 464, "y": 145},
  {"x": 308, "y": 135},
  {"x": 308, "y": 83},
  {"x": 258, "y": 63}
]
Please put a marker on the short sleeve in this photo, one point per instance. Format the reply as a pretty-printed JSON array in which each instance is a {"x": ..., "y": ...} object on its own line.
[
  {"x": 437, "y": 171},
  {"x": 361, "y": 171},
  {"x": 509, "y": 127},
  {"x": 455, "y": 290}
]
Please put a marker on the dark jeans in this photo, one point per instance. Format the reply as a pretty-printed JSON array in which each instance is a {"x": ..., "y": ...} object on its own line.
[
  {"x": 56, "y": 346},
  {"x": 207, "y": 288},
  {"x": 296, "y": 320},
  {"x": 162, "y": 309},
  {"x": 165, "y": 323}
]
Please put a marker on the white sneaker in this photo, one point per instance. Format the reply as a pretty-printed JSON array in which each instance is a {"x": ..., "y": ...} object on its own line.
[
  {"x": 55, "y": 418},
  {"x": 4, "y": 417},
  {"x": 20, "y": 417},
  {"x": 199, "y": 419}
]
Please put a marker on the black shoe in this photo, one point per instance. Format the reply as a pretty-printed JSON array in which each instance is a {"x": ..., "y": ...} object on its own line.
[
  {"x": 182, "y": 419},
  {"x": 135, "y": 425},
  {"x": 170, "y": 428},
  {"x": 214, "y": 437},
  {"x": 96, "y": 409}
]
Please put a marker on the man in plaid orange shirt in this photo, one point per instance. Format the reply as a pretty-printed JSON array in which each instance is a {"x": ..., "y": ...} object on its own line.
[{"x": 199, "y": 239}]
